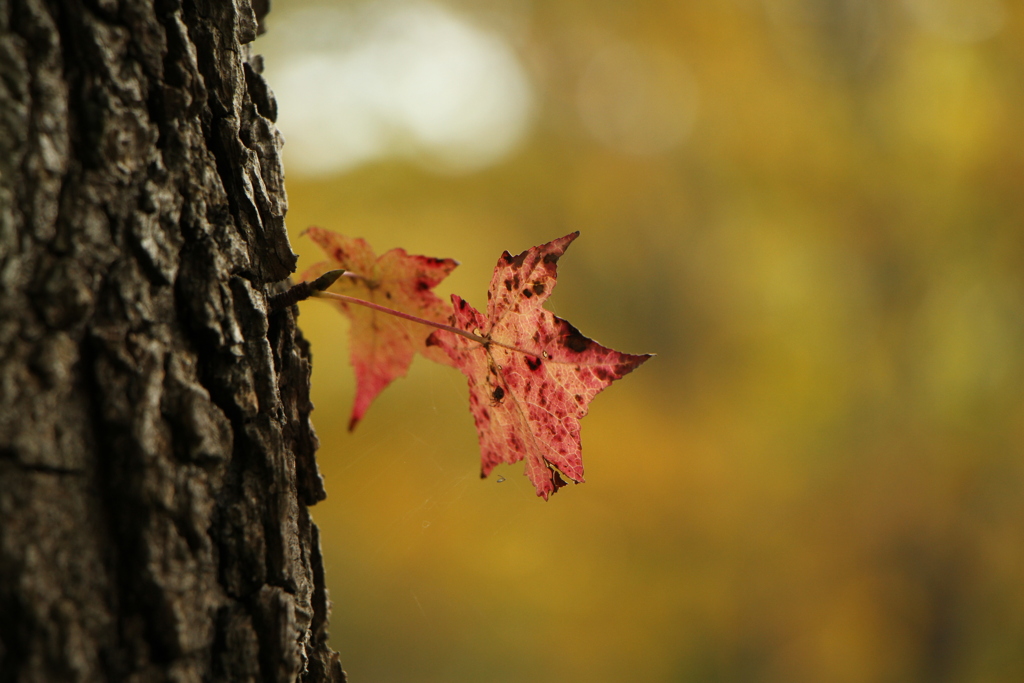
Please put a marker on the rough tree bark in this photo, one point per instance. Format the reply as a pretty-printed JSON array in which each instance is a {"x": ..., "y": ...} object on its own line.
[{"x": 156, "y": 455}]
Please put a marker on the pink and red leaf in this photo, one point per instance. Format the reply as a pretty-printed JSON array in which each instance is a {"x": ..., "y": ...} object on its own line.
[{"x": 531, "y": 382}]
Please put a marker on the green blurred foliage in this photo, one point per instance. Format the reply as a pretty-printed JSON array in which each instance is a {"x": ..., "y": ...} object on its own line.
[{"x": 820, "y": 476}]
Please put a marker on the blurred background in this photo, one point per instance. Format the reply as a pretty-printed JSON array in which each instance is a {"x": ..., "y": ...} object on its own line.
[{"x": 811, "y": 210}]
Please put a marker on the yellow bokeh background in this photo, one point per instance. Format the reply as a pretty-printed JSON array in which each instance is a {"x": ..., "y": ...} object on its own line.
[{"x": 820, "y": 476}]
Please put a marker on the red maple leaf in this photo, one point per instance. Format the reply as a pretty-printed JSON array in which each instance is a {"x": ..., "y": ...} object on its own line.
[
  {"x": 382, "y": 346},
  {"x": 532, "y": 374}
]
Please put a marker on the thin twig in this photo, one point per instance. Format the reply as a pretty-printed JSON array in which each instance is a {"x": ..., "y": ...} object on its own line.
[{"x": 303, "y": 290}]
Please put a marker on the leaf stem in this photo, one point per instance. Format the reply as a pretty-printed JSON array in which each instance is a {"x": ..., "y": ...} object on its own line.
[
  {"x": 390, "y": 311},
  {"x": 483, "y": 341},
  {"x": 354, "y": 276}
]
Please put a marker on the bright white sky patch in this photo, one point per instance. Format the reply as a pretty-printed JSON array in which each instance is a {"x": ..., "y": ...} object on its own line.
[{"x": 393, "y": 78}]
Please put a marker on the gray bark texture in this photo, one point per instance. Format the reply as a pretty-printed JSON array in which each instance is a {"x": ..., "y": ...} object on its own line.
[{"x": 156, "y": 454}]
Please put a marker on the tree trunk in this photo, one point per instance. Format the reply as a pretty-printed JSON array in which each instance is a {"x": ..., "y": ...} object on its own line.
[{"x": 156, "y": 455}]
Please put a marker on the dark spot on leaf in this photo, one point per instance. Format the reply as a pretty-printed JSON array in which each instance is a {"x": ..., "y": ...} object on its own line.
[
  {"x": 538, "y": 287},
  {"x": 533, "y": 363},
  {"x": 462, "y": 304},
  {"x": 601, "y": 373},
  {"x": 421, "y": 285},
  {"x": 551, "y": 258},
  {"x": 498, "y": 393},
  {"x": 536, "y": 336},
  {"x": 527, "y": 293},
  {"x": 488, "y": 295},
  {"x": 573, "y": 339},
  {"x": 508, "y": 285},
  {"x": 506, "y": 258},
  {"x": 515, "y": 282},
  {"x": 517, "y": 262},
  {"x": 579, "y": 398},
  {"x": 387, "y": 294}
]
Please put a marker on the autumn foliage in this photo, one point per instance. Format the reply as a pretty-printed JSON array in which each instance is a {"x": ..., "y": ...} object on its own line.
[
  {"x": 531, "y": 374},
  {"x": 383, "y": 345}
]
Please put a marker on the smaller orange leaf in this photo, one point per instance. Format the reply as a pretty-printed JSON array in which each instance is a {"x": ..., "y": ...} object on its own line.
[{"x": 382, "y": 346}]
